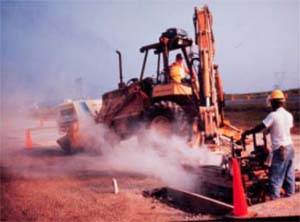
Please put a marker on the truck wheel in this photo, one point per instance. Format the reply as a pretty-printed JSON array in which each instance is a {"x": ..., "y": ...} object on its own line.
[
  {"x": 65, "y": 144},
  {"x": 168, "y": 118}
]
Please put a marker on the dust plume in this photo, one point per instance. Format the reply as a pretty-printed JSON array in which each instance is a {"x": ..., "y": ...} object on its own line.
[{"x": 148, "y": 153}]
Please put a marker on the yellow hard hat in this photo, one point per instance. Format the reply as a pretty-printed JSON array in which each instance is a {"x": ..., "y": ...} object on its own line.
[{"x": 277, "y": 94}]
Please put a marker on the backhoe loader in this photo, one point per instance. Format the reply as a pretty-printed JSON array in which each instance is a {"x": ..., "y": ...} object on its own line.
[{"x": 193, "y": 109}]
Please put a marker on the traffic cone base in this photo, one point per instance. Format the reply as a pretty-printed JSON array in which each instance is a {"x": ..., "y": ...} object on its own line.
[{"x": 248, "y": 216}]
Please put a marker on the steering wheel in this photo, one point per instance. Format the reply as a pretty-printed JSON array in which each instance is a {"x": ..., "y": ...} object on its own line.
[{"x": 133, "y": 80}]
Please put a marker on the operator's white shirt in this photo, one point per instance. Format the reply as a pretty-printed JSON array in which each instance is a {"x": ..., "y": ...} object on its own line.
[{"x": 280, "y": 123}]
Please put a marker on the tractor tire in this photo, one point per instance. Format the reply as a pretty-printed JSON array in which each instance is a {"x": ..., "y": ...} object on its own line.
[{"x": 169, "y": 118}]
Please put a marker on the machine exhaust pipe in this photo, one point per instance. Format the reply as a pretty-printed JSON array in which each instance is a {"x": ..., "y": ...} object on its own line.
[{"x": 121, "y": 83}]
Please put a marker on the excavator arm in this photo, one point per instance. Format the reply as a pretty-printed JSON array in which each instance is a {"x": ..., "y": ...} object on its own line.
[{"x": 211, "y": 103}]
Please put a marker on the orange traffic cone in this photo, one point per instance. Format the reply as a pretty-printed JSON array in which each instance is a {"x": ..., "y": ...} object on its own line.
[
  {"x": 28, "y": 141},
  {"x": 240, "y": 207}
]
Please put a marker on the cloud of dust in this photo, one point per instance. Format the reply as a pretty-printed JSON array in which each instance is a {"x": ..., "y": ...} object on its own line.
[{"x": 148, "y": 153}]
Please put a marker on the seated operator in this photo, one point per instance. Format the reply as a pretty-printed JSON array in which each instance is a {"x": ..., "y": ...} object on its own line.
[{"x": 178, "y": 70}]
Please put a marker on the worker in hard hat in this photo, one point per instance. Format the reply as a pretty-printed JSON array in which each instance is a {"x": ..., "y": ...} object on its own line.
[
  {"x": 279, "y": 122},
  {"x": 178, "y": 70}
]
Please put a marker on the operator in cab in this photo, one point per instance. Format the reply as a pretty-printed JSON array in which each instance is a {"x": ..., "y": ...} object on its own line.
[
  {"x": 178, "y": 70},
  {"x": 279, "y": 122}
]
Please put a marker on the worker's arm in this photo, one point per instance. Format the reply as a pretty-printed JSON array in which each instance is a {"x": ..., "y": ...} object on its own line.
[{"x": 256, "y": 129}]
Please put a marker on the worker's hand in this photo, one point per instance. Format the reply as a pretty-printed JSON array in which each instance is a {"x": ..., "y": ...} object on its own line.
[{"x": 245, "y": 134}]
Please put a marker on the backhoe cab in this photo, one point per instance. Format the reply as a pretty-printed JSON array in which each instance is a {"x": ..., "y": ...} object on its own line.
[{"x": 172, "y": 39}]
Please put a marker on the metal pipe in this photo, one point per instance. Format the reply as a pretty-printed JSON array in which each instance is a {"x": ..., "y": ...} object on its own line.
[
  {"x": 189, "y": 64},
  {"x": 207, "y": 101},
  {"x": 254, "y": 141},
  {"x": 265, "y": 139},
  {"x": 195, "y": 20},
  {"x": 144, "y": 65},
  {"x": 120, "y": 68},
  {"x": 164, "y": 41},
  {"x": 244, "y": 144},
  {"x": 158, "y": 66},
  {"x": 115, "y": 186},
  {"x": 232, "y": 146},
  {"x": 206, "y": 79}
]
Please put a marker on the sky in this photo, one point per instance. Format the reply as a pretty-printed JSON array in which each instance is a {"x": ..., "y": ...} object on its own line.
[{"x": 50, "y": 49}]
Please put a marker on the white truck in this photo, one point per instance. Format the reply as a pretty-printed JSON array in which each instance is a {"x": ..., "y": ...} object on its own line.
[{"x": 72, "y": 115}]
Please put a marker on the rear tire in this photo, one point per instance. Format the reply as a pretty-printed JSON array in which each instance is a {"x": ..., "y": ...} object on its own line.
[{"x": 169, "y": 118}]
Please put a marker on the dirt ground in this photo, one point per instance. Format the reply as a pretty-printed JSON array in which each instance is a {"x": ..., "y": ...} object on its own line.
[
  {"x": 43, "y": 184},
  {"x": 80, "y": 198}
]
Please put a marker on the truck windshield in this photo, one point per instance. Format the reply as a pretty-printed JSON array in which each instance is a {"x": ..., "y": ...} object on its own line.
[{"x": 67, "y": 112}]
